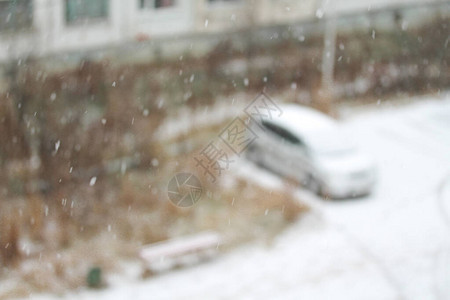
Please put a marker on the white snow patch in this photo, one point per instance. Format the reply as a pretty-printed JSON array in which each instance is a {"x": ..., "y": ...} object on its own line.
[{"x": 393, "y": 244}]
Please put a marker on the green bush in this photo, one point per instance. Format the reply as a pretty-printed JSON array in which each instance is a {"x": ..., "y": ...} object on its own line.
[{"x": 94, "y": 277}]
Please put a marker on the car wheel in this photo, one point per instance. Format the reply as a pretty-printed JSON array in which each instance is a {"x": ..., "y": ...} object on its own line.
[
  {"x": 314, "y": 185},
  {"x": 253, "y": 154}
]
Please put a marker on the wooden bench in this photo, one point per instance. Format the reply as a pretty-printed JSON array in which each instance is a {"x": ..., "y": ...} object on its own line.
[{"x": 182, "y": 251}]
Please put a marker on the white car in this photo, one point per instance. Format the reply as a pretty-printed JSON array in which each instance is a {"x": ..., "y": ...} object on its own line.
[{"x": 309, "y": 147}]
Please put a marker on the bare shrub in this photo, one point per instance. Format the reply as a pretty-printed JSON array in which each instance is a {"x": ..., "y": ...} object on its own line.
[{"x": 9, "y": 238}]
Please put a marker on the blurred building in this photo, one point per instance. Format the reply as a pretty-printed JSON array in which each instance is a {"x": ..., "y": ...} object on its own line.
[{"x": 44, "y": 27}]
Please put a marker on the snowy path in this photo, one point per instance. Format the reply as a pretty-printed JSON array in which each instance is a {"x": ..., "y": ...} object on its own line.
[
  {"x": 403, "y": 221},
  {"x": 394, "y": 244}
]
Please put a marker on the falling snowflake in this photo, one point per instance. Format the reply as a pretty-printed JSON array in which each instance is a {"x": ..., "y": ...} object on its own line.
[
  {"x": 319, "y": 13},
  {"x": 57, "y": 144},
  {"x": 155, "y": 162}
]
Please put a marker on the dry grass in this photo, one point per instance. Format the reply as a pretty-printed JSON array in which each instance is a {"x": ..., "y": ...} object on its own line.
[
  {"x": 53, "y": 262},
  {"x": 9, "y": 239}
]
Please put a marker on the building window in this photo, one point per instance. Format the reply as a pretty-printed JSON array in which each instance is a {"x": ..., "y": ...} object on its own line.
[
  {"x": 85, "y": 10},
  {"x": 152, "y": 4},
  {"x": 15, "y": 14}
]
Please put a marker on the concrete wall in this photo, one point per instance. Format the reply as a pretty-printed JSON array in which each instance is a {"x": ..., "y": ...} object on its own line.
[
  {"x": 50, "y": 32},
  {"x": 126, "y": 22},
  {"x": 218, "y": 16}
]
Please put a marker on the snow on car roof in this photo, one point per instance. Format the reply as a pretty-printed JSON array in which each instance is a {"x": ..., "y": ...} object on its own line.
[
  {"x": 320, "y": 132},
  {"x": 304, "y": 120}
]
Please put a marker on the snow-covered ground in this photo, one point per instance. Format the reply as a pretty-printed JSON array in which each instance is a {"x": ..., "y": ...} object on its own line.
[{"x": 394, "y": 244}]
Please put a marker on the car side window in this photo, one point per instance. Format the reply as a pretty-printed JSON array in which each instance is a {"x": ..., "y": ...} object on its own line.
[{"x": 282, "y": 133}]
